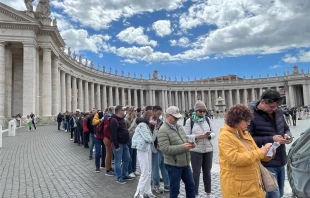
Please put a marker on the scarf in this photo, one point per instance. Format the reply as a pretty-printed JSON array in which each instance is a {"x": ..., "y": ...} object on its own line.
[{"x": 197, "y": 118}]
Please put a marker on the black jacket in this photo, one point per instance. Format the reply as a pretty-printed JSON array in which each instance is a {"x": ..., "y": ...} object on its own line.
[
  {"x": 89, "y": 124},
  {"x": 118, "y": 130},
  {"x": 60, "y": 117},
  {"x": 263, "y": 128}
]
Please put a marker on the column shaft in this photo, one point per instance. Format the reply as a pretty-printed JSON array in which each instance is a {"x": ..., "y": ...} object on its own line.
[
  {"x": 74, "y": 94},
  {"x": 47, "y": 83},
  {"x": 170, "y": 98},
  {"x": 141, "y": 98},
  {"x": 238, "y": 96},
  {"x": 209, "y": 100},
  {"x": 253, "y": 94},
  {"x": 2, "y": 81},
  {"x": 183, "y": 101},
  {"x": 63, "y": 91},
  {"x": 305, "y": 94},
  {"x": 190, "y": 106},
  {"x": 245, "y": 97},
  {"x": 291, "y": 94},
  {"x": 92, "y": 95},
  {"x": 110, "y": 97},
  {"x": 117, "y": 96},
  {"x": 104, "y": 97},
  {"x": 196, "y": 97},
  {"x": 129, "y": 97},
  {"x": 80, "y": 98},
  {"x": 230, "y": 99},
  {"x": 8, "y": 82},
  {"x": 203, "y": 96},
  {"x": 150, "y": 98},
  {"x": 86, "y": 97},
  {"x": 55, "y": 87},
  {"x": 154, "y": 97},
  {"x": 98, "y": 96},
  {"x": 123, "y": 96},
  {"x": 176, "y": 99},
  {"x": 135, "y": 96},
  {"x": 216, "y": 97},
  {"x": 69, "y": 93}
]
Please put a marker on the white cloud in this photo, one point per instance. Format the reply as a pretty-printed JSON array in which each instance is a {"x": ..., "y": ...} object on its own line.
[
  {"x": 162, "y": 27},
  {"x": 131, "y": 61},
  {"x": 303, "y": 56},
  {"x": 250, "y": 27},
  {"x": 182, "y": 42},
  {"x": 275, "y": 66},
  {"x": 135, "y": 35},
  {"x": 99, "y": 14}
]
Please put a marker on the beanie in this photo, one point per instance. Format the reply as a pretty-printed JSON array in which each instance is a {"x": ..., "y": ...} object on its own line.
[{"x": 200, "y": 105}]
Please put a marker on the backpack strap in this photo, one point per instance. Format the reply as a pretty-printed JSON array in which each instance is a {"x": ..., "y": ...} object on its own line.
[{"x": 192, "y": 125}]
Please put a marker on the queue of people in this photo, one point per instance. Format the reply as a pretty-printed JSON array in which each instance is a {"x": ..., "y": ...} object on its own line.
[{"x": 160, "y": 144}]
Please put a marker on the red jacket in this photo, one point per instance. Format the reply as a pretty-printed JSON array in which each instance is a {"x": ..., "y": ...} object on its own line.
[{"x": 85, "y": 129}]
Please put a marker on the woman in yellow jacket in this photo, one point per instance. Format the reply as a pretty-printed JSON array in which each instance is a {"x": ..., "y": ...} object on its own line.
[{"x": 240, "y": 174}]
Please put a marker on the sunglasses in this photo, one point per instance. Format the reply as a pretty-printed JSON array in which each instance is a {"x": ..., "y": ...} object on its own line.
[{"x": 201, "y": 111}]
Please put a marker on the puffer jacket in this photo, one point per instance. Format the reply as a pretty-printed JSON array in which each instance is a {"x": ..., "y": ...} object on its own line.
[
  {"x": 142, "y": 138},
  {"x": 262, "y": 128},
  {"x": 202, "y": 145},
  {"x": 171, "y": 143},
  {"x": 239, "y": 169}
]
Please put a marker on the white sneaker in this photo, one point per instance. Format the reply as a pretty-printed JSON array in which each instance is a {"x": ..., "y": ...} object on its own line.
[
  {"x": 132, "y": 175},
  {"x": 137, "y": 173},
  {"x": 71, "y": 139},
  {"x": 65, "y": 130}
]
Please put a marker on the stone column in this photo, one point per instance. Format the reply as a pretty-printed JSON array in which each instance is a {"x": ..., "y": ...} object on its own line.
[
  {"x": 104, "y": 97},
  {"x": 123, "y": 97},
  {"x": 154, "y": 97},
  {"x": 230, "y": 98},
  {"x": 8, "y": 82},
  {"x": 190, "y": 106},
  {"x": 183, "y": 101},
  {"x": 80, "y": 98},
  {"x": 305, "y": 94},
  {"x": 117, "y": 96},
  {"x": 46, "y": 83},
  {"x": 216, "y": 97},
  {"x": 196, "y": 98},
  {"x": 245, "y": 97},
  {"x": 129, "y": 97},
  {"x": 86, "y": 95},
  {"x": 253, "y": 94},
  {"x": 261, "y": 92},
  {"x": 110, "y": 96},
  {"x": 63, "y": 91},
  {"x": 68, "y": 92},
  {"x": 223, "y": 96},
  {"x": 163, "y": 99},
  {"x": 203, "y": 96},
  {"x": 209, "y": 100},
  {"x": 135, "y": 96},
  {"x": 166, "y": 99},
  {"x": 170, "y": 98},
  {"x": 291, "y": 95},
  {"x": 38, "y": 94},
  {"x": 176, "y": 99},
  {"x": 238, "y": 96},
  {"x": 74, "y": 94},
  {"x": 55, "y": 86},
  {"x": 141, "y": 98},
  {"x": 150, "y": 98},
  {"x": 92, "y": 96},
  {"x": 98, "y": 96},
  {"x": 2, "y": 82}
]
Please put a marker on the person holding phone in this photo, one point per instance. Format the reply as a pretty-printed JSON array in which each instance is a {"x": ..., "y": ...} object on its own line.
[{"x": 199, "y": 130}]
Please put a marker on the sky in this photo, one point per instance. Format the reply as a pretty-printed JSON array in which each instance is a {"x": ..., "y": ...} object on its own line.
[{"x": 189, "y": 38}]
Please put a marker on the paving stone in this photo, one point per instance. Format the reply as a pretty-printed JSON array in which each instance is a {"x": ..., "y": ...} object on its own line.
[{"x": 45, "y": 163}]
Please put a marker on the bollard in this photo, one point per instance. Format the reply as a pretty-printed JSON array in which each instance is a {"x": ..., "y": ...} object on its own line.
[
  {"x": 0, "y": 136},
  {"x": 12, "y": 128}
]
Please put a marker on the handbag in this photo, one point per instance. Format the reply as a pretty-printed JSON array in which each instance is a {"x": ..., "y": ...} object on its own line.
[{"x": 268, "y": 179}]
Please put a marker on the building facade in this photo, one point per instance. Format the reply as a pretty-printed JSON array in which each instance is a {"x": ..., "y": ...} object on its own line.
[{"x": 36, "y": 75}]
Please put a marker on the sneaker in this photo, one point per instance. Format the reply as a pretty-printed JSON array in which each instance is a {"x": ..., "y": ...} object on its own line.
[
  {"x": 137, "y": 173},
  {"x": 132, "y": 175},
  {"x": 167, "y": 188},
  {"x": 127, "y": 178},
  {"x": 110, "y": 173},
  {"x": 65, "y": 130},
  {"x": 90, "y": 157},
  {"x": 139, "y": 196},
  {"x": 158, "y": 189},
  {"x": 102, "y": 167},
  {"x": 121, "y": 181},
  {"x": 112, "y": 161},
  {"x": 71, "y": 139},
  {"x": 149, "y": 195},
  {"x": 97, "y": 170}
]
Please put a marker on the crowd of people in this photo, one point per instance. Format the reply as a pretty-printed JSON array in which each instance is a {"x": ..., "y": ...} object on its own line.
[{"x": 161, "y": 146}]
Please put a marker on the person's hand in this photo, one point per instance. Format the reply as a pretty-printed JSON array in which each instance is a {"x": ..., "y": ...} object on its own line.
[
  {"x": 118, "y": 149},
  {"x": 264, "y": 150},
  {"x": 280, "y": 139},
  {"x": 188, "y": 146},
  {"x": 201, "y": 136},
  {"x": 289, "y": 138}
]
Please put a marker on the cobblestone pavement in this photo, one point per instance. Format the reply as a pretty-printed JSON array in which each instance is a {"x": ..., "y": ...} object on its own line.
[{"x": 45, "y": 163}]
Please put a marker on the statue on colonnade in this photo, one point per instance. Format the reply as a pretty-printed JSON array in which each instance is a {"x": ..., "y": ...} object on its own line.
[
  {"x": 122, "y": 73},
  {"x": 92, "y": 64},
  {"x": 155, "y": 75},
  {"x": 128, "y": 74},
  {"x": 134, "y": 75},
  {"x": 80, "y": 59},
  {"x": 69, "y": 51},
  {"x": 43, "y": 8},
  {"x": 29, "y": 5},
  {"x": 103, "y": 69},
  {"x": 86, "y": 62},
  {"x": 141, "y": 76},
  {"x": 110, "y": 71},
  {"x": 181, "y": 78},
  {"x": 54, "y": 22},
  {"x": 149, "y": 76},
  {"x": 116, "y": 72},
  {"x": 74, "y": 55},
  {"x": 98, "y": 67}
]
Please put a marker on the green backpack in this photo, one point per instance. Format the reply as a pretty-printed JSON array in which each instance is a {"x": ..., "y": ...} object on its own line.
[{"x": 298, "y": 166}]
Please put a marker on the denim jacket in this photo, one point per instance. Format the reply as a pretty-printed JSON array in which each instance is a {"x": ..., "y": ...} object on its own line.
[{"x": 142, "y": 138}]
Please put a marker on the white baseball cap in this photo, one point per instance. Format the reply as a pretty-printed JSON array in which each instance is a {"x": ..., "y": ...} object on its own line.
[
  {"x": 78, "y": 110},
  {"x": 174, "y": 111}
]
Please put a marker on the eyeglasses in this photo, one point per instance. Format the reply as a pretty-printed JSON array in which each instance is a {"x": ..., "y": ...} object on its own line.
[
  {"x": 201, "y": 111},
  {"x": 122, "y": 109}
]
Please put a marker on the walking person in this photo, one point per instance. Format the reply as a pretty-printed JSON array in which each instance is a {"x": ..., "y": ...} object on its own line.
[
  {"x": 293, "y": 114},
  {"x": 239, "y": 168},
  {"x": 33, "y": 120},
  {"x": 131, "y": 126},
  {"x": 269, "y": 126},
  {"x": 174, "y": 144},
  {"x": 60, "y": 118},
  {"x": 198, "y": 128},
  {"x": 142, "y": 141},
  {"x": 28, "y": 121},
  {"x": 287, "y": 116}
]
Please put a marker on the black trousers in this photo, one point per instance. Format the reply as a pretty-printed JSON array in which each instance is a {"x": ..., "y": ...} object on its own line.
[
  {"x": 86, "y": 139},
  {"x": 34, "y": 124},
  {"x": 58, "y": 126},
  {"x": 202, "y": 161}
]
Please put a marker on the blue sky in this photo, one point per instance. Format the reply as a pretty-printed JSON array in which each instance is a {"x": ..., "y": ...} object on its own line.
[{"x": 189, "y": 38}]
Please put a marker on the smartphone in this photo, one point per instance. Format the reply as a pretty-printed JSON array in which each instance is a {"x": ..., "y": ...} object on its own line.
[{"x": 208, "y": 133}]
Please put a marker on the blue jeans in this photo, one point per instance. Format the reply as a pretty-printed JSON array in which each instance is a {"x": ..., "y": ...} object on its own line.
[
  {"x": 280, "y": 175},
  {"x": 91, "y": 143},
  {"x": 175, "y": 175},
  {"x": 132, "y": 165},
  {"x": 158, "y": 163},
  {"x": 99, "y": 153},
  {"x": 121, "y": 160}
]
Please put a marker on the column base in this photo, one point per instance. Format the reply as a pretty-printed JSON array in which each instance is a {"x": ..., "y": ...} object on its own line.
[{"x": 45, "y": 120}]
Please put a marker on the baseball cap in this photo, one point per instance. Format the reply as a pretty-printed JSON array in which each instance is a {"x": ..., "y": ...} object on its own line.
[
  {"x": 78, "y": 110},
  {"x": 174, "y": 111}
]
